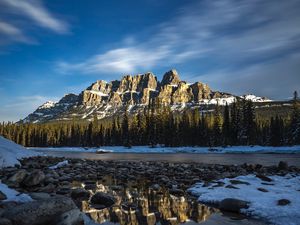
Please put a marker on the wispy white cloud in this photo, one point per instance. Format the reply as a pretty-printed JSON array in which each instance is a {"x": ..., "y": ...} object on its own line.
[
  {"x": 38, "y": 13},
  {"x": 16, "y": 15},
  {"x": 230, "y": 33},
  {"x": 13, "y": 32}
]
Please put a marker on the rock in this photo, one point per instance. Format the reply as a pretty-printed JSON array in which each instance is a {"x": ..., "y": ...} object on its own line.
[
  {"x": 4, "y": 221},
  {"x": 2, "y": 196},
  {"x": 39, "y": 195},
  {"x": 72, "y": 217},
  {"x": 103, "y": 199},
  {"x": 39, "y": 212},
  {"x": 176, "y": 192},
  {"x": 283, "y": 202},
  {"x": 282, "y": 165},
  {"x": 238, "y": 182},
  {"x": 170, "y": 78},
  {"x": 80, "y": 193},
  {"x": 35, "y": 178},
  {"x": 233, "y": 205},
  {"x": 50, "y": 188},
  {"x": 264, "y": 178},
  {"x": 18, "y": 177},
  {"x": 231, "y": 186},
  {"x": 155, "y": 187},
  {"x": 262, "y": 190}
]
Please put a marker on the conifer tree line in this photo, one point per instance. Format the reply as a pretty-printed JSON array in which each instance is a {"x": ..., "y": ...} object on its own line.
[{"x": 234, "y": 124}]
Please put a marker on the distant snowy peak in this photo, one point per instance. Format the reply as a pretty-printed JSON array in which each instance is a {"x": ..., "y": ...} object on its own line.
[
  {"x": 47, "y": 105},
  {"x": 255, "y": 98}
]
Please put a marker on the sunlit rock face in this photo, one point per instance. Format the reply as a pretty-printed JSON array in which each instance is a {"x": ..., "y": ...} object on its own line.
[
  {"x": 138, "y": 204},
  {"x": 105, "y": 99}
]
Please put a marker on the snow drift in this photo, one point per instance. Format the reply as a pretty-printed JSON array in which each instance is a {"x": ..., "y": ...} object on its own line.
[{"x": 10, "y": 153}]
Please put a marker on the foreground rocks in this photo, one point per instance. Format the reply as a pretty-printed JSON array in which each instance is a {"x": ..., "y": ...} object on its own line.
[
  {"x": 43, "y": 211},
  {"x": 61, "y": 192}
]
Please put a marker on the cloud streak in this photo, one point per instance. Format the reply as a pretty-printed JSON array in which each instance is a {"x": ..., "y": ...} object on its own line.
[
  {"x": 231, "y": 33},
  {"x": 17, "y": 15}
]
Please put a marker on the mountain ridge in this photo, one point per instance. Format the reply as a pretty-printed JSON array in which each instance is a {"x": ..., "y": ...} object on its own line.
[{"x": 105, "y": 99}]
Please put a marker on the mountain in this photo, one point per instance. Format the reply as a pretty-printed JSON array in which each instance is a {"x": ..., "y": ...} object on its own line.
[{"x": 108, "y": 98}]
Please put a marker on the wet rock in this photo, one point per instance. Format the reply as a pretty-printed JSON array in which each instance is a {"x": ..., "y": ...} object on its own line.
[
  {"x": 72, "y": 217},
  {"x": 80, "y": 193},
  {"x": 39, "y": 212},
  {"x": 231, "y": 186},
  {"x": 233, "y": 205},
  {"x": 262, "y": 190},
  {"x": 264, "y": 178},
  {"x": 103, "y": 199},
  {"x": 39, "y": 195},
  {"x": 35, "y": 178},
  {"x": 283, "y": 202},
  {"x": 2, "y": 196},
  {"x": 283, "y": 165},
  {"x": 176, "y": 192},
  {"x": 238, "y": 182}
]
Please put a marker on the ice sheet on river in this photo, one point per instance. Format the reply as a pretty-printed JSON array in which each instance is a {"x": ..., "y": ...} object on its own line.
[{"x": 160, "y": 149}]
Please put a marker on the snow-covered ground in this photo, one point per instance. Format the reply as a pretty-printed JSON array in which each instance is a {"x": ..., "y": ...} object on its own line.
[
  {"x": 262, "y": 205},
  {"x": 13, "y": 195},
  {"x": 147, "y": 149},
  {"x": 10, "y": 152}
]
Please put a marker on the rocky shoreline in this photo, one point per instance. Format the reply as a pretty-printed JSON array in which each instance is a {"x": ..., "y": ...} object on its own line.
[{"x": 65, "y": 192}]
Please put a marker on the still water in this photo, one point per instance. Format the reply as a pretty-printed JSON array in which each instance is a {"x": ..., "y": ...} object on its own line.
[
  {"x": 140, "y": 203},
  {"x": 211, "y": 158}
]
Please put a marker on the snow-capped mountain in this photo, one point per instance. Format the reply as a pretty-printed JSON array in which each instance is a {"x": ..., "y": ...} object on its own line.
[{"x": 108, "y": 98}]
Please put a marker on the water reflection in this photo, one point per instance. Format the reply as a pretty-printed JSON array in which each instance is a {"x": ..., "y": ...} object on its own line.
[{"x": 137, "y": 203}]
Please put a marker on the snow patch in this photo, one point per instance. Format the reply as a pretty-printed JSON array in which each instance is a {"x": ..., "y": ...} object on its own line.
[
  {"x": 255, "y": 98},
  {"x": 13, "y": 195},
  {"x": 262, "y": 205},
  {"x": 47, "y": 105},
  {"x": 60, "y": 164},
  {"x": 98, "y": 93},
  {"x": 10, "y": 152}
]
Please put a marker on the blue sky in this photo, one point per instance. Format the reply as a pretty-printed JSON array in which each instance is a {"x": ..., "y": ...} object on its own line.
[{"x": 49, "y": 48}]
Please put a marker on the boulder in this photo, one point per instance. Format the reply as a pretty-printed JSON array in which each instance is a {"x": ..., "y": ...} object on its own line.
[
  {"x": 233, "y": 205},
  {"x": 102, "y": 198},
  {"x": 283, "y": 165},
  {"x": 18, "y": 177},
  {"x": 2, "y": 196},
  {"x": 80, "y": 193},
  {"x": 35, "y": 178},
  {"x": 39, "y": 212},
  {"x": 283, "y": 202},
  {"x": 264, "y": 178},
  {"x": 72, "y": 217}
]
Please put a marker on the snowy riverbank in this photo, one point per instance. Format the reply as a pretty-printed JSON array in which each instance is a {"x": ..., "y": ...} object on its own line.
[
  {"x": 10, "y": 153},
  {"x": 159, "y": 149},
  {"x": 275, "y": 199}
]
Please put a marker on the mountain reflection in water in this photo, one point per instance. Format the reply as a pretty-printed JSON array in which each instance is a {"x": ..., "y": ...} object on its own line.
[{"x": 137, "y": 203}]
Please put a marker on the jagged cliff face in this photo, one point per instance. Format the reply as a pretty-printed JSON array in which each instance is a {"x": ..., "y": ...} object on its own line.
[
  {"x": 108, "y": 98},
  {"x": 141, "y": 89}
]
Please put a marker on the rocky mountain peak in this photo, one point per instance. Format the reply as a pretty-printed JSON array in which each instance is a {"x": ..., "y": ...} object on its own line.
[
  {"x": 170, "y": 78},
  {"x": 104, "y": 99}
]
